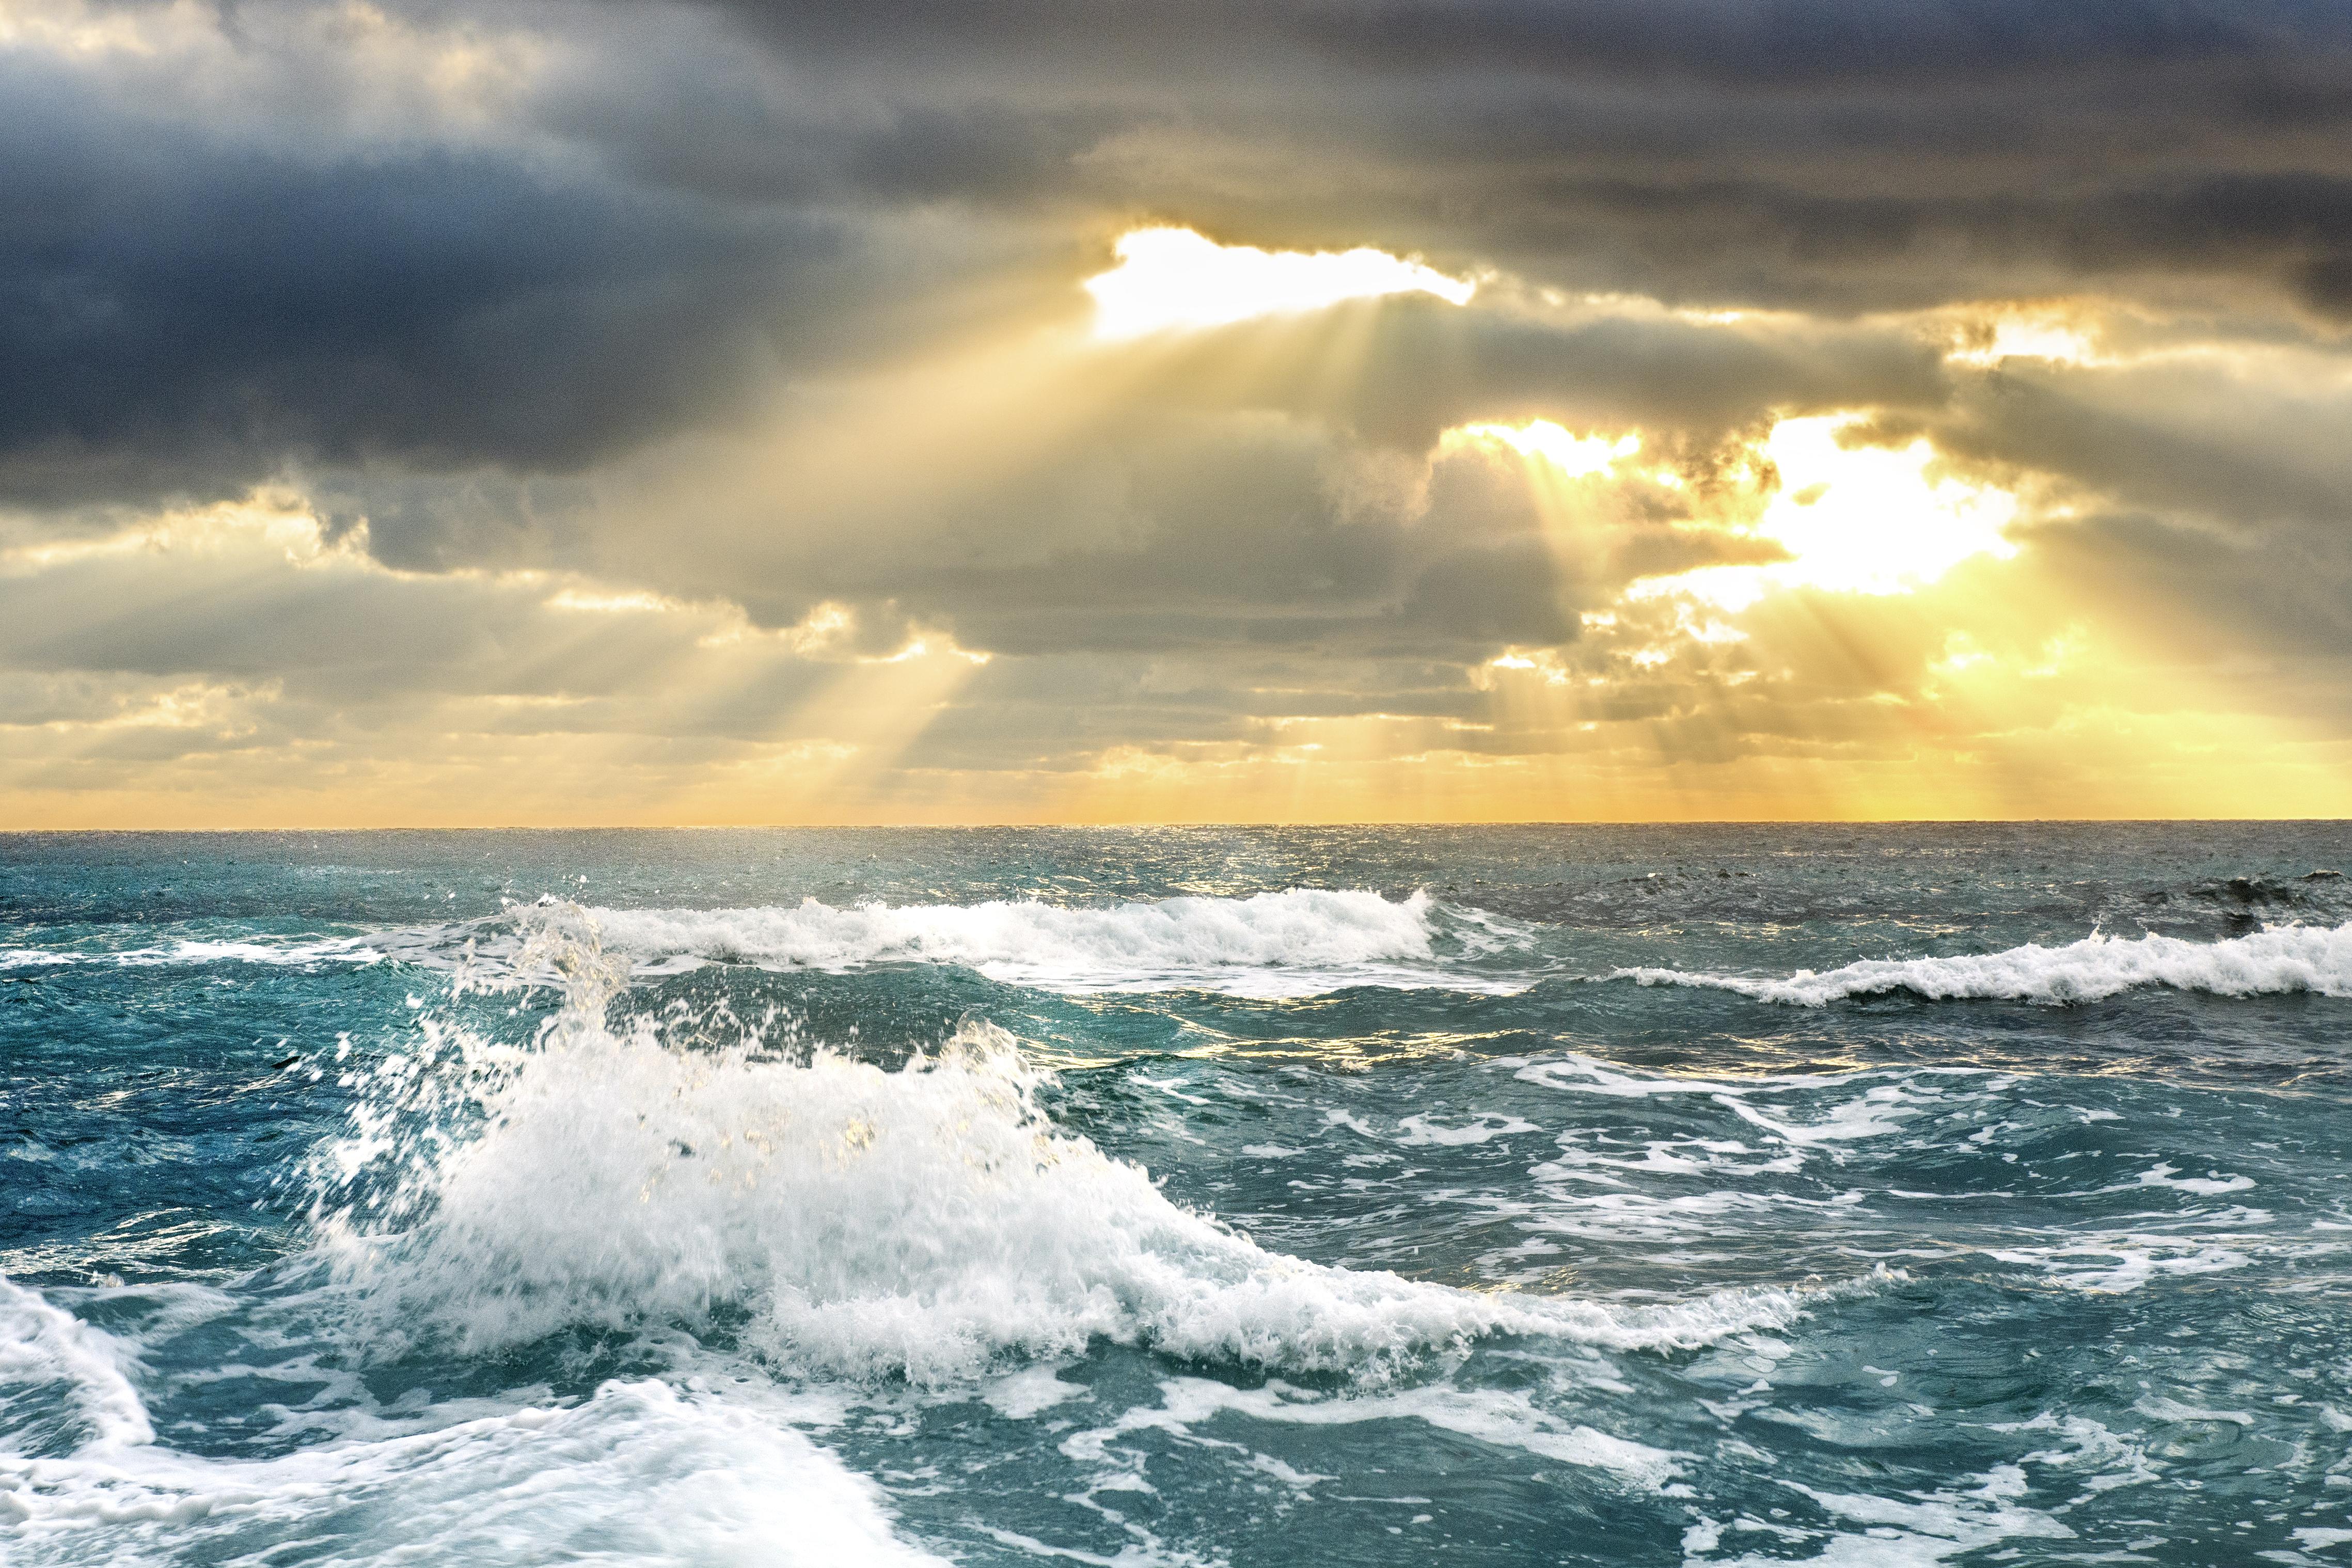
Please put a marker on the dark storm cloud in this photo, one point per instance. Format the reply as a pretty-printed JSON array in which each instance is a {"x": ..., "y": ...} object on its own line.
[
  {"x": 180, "y": 309},
  {"x": 1843, "y": 154},
  {"x": 177, "y": 312},
  {"x": 1733, "y": 42},
  {"x": 1803, "y": 42}
]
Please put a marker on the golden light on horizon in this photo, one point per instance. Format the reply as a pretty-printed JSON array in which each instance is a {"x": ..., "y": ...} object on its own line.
[{"x": 1173, "y": 280}]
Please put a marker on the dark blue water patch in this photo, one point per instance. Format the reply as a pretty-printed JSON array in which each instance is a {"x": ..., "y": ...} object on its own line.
[{"x": 146, "y": 1111}]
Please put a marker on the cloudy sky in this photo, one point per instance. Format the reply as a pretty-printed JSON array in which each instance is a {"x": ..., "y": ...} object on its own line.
[{"x": 620, "y": 410}]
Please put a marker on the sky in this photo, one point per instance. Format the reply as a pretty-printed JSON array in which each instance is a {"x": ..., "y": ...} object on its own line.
[{"x": 614, "y": 411}]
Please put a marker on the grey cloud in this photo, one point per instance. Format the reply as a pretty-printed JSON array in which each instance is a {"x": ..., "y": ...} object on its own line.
[
  {"x": 1198, "y": 531},
  {"x": 177, "y": 313},
  {"x": 671, "y": 221},
  {"x": 240, "y": 614},
  {"x": 2207, "y": 598},
  {"x": 2197, "y": 440},
  {"x": 1416, "y": 367},
  {"x": 1843, "y": 155},
  {"x": 1722, "y": 41},
  {"x": 1058, "y": 711}
]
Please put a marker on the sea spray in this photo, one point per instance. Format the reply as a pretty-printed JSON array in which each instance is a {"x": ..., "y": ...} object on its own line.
[{"x": 920, "y": 1223}]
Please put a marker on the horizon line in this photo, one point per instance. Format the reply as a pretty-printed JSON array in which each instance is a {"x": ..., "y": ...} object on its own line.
[{"x": 1040, "y": 826}]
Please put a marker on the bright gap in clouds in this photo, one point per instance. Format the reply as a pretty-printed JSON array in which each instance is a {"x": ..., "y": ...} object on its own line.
[
  {"x": 1577, "y": 457},
  {"x": 1171, "y": 278},
  {"x": 1863, "y": 519},
  {"x": 1869, "y": 519}
]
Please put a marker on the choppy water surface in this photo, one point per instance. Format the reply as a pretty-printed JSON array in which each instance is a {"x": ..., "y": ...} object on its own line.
[{"x": 1525, "y": 1196}]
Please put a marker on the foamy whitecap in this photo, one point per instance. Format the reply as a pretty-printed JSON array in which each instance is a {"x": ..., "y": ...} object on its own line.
[
  {"x": 1293, "y": 943},
  {"x": 920, "y": 1222},
  {"x": 637, "y": 1473},
  {"x": 2316, "y": 959},
  {"x": 191, "y": 951},
  {"x": 1300, "y": 941}
]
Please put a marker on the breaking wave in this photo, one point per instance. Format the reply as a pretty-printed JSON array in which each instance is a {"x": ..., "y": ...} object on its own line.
[
  {"x": 920, "y": 1223},
  {"x": 2309, "y": 959},
  {"x": 1301, "y": 942},
  {"x": 1293, "y": 943}
]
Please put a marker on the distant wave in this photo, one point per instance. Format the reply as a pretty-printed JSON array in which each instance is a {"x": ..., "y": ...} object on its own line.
[
  {"x": 2310, "y": 958},
  {"x": 301, "y": 954},
  {"x": 1299, "y": 942}
]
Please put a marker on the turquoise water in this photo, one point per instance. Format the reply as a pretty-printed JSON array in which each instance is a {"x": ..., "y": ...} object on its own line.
[{"x": 1501, "y": 1195}]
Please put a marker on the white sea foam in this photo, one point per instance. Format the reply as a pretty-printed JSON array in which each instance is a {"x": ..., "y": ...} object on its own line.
[
  {"x": 921, "y": 1222},
  {"x": 51, "y": 1362},
  {"x": 1917, "y": 1530},
  {"x": 2116, "y": 1263},
  {"x": 289, "y": 953},
  {"x": 639, "y": 1474},
  {"x": 1876, "y": 1110},
  {"x": 1295, "y": 943},
  {"x": 1501, "y": 1416},
  {"x": 2282, "y": 958}
]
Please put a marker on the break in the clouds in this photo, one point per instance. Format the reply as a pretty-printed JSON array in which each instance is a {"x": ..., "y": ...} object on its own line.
[{"x": 637, "y": 411}]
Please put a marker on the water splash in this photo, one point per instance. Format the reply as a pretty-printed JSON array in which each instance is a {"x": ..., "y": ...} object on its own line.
[{"x": 919, "y": 1223}]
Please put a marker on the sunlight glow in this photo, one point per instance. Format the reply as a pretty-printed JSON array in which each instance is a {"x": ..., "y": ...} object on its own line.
[
  {"x": 1576, "y": 457},
  {"x": 1877, "y": 524},
  {"x": 1173, "y": 279},
  {"x": 596, "y": 603},
  {"x": 1861, "y": 520},
  {"x": 2027, "y": 338}
]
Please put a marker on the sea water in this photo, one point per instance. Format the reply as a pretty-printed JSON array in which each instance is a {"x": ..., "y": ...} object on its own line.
[{"x": 1517, "y": 1195}]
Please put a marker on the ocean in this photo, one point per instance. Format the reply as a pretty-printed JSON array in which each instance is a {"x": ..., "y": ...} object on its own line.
[{"x": 1851, "y": 1195}]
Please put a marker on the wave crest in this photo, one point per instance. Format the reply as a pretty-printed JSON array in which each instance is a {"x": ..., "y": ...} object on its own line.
[
  {"x": 919, "y": 1223},
  {"x": 1271, "y": 944},
  {"x": 2287, "y": 958}
]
